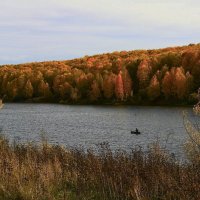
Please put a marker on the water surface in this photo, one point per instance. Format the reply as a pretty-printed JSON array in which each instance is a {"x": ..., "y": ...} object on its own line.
[{"x": 90, "y": 125}]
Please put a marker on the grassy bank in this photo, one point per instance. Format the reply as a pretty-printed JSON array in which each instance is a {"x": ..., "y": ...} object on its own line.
[{"x": 53, "y": 172}]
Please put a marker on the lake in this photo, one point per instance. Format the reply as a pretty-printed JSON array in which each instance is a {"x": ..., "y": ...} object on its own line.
[{"x": 89, "y": 125}]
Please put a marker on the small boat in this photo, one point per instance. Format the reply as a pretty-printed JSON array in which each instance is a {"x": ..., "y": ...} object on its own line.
[{"x": 136, "y": 132}]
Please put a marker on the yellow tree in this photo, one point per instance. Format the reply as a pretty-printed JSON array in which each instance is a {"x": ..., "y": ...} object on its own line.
[
  {"x": 43, "y": 89},
  {"x": 127, "y": 84},
  {"x": 28, "y": 90},
  {"x": 5, "y": 83},
  {"x": 12, "y": 90},
  {"x": 74, "y": 95},
  {"x": 99, "y": 79},
  {"x": 167, "y": 85},
  {"x": 143, "y": 74},
  {"x": 180, "y": 83},
  {"x": 109, "y": 85},
  {"x": 65, "y": 90},
  {"x": 21, "y": 81},
  {"x": 95, "y": 92},
  {"x": 154, "y": 88},
  {"x": 56, "y": 84},
  {"x": 189, "y": 82},
  {"x": 119, "y": 89}
]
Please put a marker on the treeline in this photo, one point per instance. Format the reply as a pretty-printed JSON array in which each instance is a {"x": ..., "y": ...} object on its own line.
[{"x": 163, "y": 76}]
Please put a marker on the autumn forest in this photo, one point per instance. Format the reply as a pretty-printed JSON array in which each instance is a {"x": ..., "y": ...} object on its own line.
[{"x": 162, "y": 76}]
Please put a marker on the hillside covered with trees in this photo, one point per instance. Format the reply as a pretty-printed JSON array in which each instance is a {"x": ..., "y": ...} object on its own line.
[{"x": 162, "y": 76}]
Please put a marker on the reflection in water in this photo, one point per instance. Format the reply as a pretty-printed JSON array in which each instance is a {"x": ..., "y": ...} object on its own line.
[{"x": 90, "y": 125}]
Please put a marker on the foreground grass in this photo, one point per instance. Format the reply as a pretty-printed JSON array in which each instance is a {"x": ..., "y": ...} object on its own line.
[{"x": 53, "y": 172}]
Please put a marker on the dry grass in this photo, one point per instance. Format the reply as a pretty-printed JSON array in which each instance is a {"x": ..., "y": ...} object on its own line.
[{"x": 53, "y": 172}]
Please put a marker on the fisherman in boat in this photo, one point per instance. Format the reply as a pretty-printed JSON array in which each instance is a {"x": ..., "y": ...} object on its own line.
[{"x": 136, "y": 132}]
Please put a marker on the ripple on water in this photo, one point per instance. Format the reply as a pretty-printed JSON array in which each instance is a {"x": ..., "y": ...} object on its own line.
[{"x": 89, "y": 125}]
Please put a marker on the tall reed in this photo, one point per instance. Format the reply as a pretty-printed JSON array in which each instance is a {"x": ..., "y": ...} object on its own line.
[{"x": 29, "y": 171}]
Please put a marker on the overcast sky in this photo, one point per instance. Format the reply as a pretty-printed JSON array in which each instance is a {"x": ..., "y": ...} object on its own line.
[{"x": 38, "y": 30}]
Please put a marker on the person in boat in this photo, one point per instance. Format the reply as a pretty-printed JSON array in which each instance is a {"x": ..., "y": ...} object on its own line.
[{"x": 135, "y": 132}]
